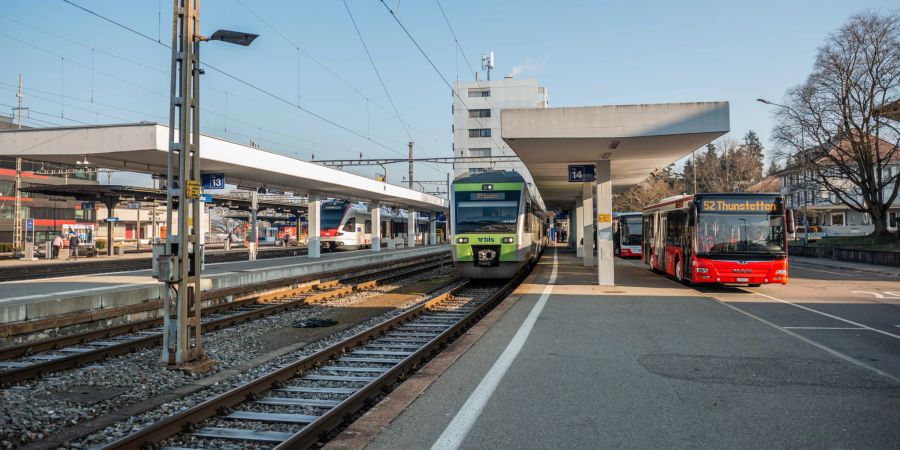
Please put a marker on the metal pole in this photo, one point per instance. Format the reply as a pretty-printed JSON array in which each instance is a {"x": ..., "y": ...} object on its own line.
[
  {"x": 410, "y": 165},
  {"x": 17, "y": 225},
  {"x": 805, "y": 190},
  {"x": 182, "y": 347}
]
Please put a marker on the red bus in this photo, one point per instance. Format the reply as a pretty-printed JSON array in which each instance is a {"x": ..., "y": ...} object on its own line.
[
  {"x": 627, "y": 234},
  {"x": 738, "y": 238}
]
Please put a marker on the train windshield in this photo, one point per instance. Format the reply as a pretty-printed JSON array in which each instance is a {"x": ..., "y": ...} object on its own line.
[
  {"x": 487, "y": 212},
  {"x": 631, "y": 229},
  {"x": 745, "y": 231},
  {"x": 332, "y": 213}
]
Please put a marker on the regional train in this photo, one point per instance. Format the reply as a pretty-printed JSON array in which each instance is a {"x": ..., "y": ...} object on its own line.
[
  {"x": 348, "y": 226},
  {"x": 496, "y": 227}
]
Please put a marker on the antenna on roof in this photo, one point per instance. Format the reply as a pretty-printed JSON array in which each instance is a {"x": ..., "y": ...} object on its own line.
[{"x": 487, "y": 63}]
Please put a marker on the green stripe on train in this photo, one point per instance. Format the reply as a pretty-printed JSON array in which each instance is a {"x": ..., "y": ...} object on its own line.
[
  {"x": 508, "y": 252},
  {"x": 464, "y": 187}
]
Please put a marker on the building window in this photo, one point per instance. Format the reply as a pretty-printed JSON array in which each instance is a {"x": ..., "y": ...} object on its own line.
[
  {"x": 837, "y": 219},
  {"x": 479, "y": 92},
  {"x": 892, "y": 219},
  {"x": 480, "y": 152},
  {"x": 479, "y": 132},
  {"x": 479, "y": 113}
]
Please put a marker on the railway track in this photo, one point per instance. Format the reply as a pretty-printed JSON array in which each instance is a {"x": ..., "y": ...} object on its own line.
[
  {"x": 297, "y": 404},
  {"x": 66, "y": 352}
]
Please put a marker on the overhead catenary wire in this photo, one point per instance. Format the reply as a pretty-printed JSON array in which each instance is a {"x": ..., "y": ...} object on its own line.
[
  {"x": 333, "y": 73},
  {"x": 377, "y": 72},
  {"x": 433, "y": 66},
  {"x": 244, "y": 82},
  {"x": 155, "y": 69}
]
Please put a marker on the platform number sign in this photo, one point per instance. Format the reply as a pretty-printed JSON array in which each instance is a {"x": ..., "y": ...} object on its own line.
[
  {"x": 213, "y": 180},
  {"x": 580, "y": 173}
]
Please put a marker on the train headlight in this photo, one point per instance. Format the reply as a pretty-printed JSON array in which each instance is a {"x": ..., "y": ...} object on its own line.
[
  {"x": 507, "y": 240},
  {"x": 781, "y": 272},
  {"x": 462, "y": 240}
]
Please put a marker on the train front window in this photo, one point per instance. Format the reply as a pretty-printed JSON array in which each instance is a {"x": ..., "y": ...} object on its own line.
[
  {"x": 332, "y": 213},
  {"x": 487, "y": 216},
  {"x": 632, "y": 230},
  {"x": 740, "y": 233}
]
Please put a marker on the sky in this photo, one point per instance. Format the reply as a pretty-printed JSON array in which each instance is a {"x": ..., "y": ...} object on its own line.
[{"x": 78, "y": 68}]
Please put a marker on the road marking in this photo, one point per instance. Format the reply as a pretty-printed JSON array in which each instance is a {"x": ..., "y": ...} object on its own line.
[
  {"x": 462, "y": 423},
  {"x": 801, "y": 267},
  {"x": 809, "y": 341},
  {"x": 824, "y": 328},
  {"x": 823, "y": 313},
  {"x": 877, "y": 295}
]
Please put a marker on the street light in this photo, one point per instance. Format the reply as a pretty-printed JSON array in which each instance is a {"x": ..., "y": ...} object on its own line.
[
  {"x": 803, "y": 169},
  {"x": 181, "y": 256}
]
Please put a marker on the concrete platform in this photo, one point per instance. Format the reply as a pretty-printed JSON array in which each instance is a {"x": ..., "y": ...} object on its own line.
[
  {"x": 647, "y": 363},
  {"x": 37, "y": 299}
]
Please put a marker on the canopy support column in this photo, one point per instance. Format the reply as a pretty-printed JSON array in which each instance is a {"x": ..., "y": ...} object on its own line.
[
  {"x": 576, "y": 230},
  {"x": 110, "y": 207},
  {"x": 411, "y": 228},
  {"x": 313, "y": 217},
  {"x": 432, "y": 230},
  {"x": 254, "y": 226},
  {"x": 605, "y": 262},
  {"x": 376, "y": 226},
  {"x": 587, "y": 222}
]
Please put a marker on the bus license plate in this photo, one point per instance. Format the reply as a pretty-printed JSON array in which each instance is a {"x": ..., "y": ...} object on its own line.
[{"x": 742, "y": 280}]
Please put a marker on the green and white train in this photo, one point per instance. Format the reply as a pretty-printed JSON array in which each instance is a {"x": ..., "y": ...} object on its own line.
[{"x": 495, "y": 225}]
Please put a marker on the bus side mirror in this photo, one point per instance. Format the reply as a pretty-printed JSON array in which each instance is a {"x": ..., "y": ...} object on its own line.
[{"x": 790, "y": 221}]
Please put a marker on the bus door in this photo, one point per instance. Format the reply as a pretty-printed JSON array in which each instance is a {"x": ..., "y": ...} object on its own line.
[{"x": 659, "y": 247}]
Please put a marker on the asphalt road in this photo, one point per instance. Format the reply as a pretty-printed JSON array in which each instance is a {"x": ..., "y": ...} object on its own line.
[{"x": 855, "y": 315}]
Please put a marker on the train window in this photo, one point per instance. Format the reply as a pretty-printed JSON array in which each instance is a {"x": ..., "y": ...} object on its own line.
[
  {"x": 368, "y": 226},
  {"x": 350, "y": 225},
  {"x": 528, "y": 214}
]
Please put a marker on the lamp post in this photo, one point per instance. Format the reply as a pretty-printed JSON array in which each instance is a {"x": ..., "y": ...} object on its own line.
[
  {"x": 802, "y": 168},
  {"x": 180, "y": 260}
]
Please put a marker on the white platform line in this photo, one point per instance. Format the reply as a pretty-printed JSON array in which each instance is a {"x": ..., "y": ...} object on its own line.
[
  {"x": 802, "y": 267},
  {"x": 455, "y": 433}
]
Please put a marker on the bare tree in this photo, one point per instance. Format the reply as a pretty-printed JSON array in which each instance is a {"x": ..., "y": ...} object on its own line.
[
  {"x": 830, "y": 127},
  {"x": 655, "y": 188}
]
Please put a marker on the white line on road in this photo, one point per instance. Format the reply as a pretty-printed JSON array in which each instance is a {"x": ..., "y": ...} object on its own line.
[
  {"x": 823, "y": 313},
  {"x": 801, "y": 267},
  {"x": 824, "y": 328},
  {"x": 456, "y": 431}
]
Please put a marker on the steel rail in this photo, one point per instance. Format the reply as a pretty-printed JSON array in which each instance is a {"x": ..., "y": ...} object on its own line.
[
  {"x": 189, "y": 419},
  {"x": 254, "y": 288},
  {"x": 15, "y": 375}
]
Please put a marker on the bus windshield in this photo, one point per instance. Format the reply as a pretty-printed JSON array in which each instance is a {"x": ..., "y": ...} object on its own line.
[
  {"x": 332, "y": 213},
  {"x": 631, "y": 229},
  {"x": 740, "y": 233}
]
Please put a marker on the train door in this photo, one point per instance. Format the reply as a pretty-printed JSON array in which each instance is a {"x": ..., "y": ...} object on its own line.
[{"x": 367, "y": 233}]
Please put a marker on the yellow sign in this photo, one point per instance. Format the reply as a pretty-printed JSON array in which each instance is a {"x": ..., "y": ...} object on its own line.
[
  {"x": 604, "y": 218},
  {"x": 740, "y": 205},
  {"x": 192, "y": 189}
]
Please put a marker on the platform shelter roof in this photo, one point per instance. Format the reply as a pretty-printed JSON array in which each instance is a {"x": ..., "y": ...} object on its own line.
[{"x": 143, "y": 147}]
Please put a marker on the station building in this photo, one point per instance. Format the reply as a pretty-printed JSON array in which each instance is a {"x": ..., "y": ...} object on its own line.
[{"x": 476, "y": 124}]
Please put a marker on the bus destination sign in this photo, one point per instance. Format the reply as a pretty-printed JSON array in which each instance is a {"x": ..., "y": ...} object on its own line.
[{"x": 746, "y": 205}]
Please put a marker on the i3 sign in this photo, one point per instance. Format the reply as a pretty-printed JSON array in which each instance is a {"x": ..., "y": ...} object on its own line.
[{"x": 213, "y": 180}]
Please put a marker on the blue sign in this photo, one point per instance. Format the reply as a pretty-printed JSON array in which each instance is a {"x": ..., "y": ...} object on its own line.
[
  {"x": 580, "y": 173},
  {"x": 29, "y": 225},
  {"x": 205, "y": 198},
  {"x": 212, "y": 180},
  {"x": 112, "y": 219},
  {"x": 441, "y": 217},
  {"x": 86, "y": 206}
]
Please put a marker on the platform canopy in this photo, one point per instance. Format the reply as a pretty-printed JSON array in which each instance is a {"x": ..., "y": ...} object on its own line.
[
  {"x": 143, "y": 147},
  {"x": 636, "y": 139}
]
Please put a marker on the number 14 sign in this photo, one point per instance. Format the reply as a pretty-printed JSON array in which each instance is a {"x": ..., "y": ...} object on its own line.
[{"x": 579, "y": 173}]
